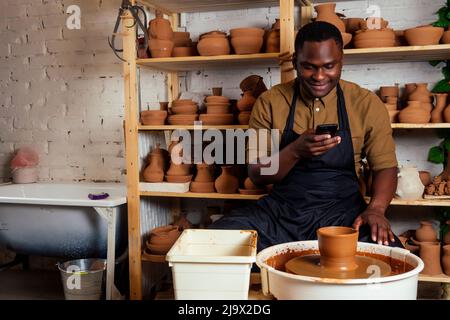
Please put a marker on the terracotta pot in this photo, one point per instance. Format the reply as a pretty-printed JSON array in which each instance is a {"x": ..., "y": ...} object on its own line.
[
  {"x": 160, "y": 48},
  {"x": 247, "y": 45},
  {"x": 154, "y": 172},
  {"x": 246, "y": 102},
  {"x": 385, "y": 34},
  {"x": 374, "y": 43},
  {"x": 213, "y": 46},
  {"x": 153, "y": 117},
  {"x": 215, "y": 33},
  {"x": 373, "y": 23},
  {"x": 226, "y": 182},
  {"x": 182, "y": 119},
  {"x": 392, "y": 100},
  {"x": 217, "y": 91},
  {"x": 409, "y": 186},
  {"x": 247, "y": 32},
  {"x": 202, "y": 187},
  {"x": 203, "y": 173},
  {"x": 426, "y": 232},
  {"x": 414, "y": 113},
  {"x": 160, "y": 28},
  {"x": 409, "y": 88},
  {"x": 346, "y": 38},
  {"x": 446, "y": 113},
  {"x": 216, "y": 119},
  {"x": 181, "y": 169},
  {"x": 178, "y": 179},
  {"x": 393, "y": 115},
  {"x": 254, "y": 84},
  {"x": 446, "y": 38},
  {"x": 326, "y": 12},
  {"x": 425, "y": 177},
  {"x": 244, "y": 117},
  {"x": 276, "y": 25},
  {"x": 159, "y": 248},
  {"x": 421, "y": 93},
  {"x": 391, "y": 92},
  {"x": 437, "y": 115},
  {"x": 180, "y": 102},
  {"x": 447, "y": 235},
  {"x": 185, "y": 109},
  {"x": 163, "y": 105},
  {"x": 431, "y": 256},
  {"x": 422, "y": 36},
  {"x": 249, "y": 185},
  {"x": 217, "y": 99},
  {"x": 273, "y": 41},
  {"x": 181, "y": 39},
  {"x": 183, "y": 51},
  {"x": 164, "y": 235},
  {"x": 446, "y": 259},
  {"x": 391, "y": 106},
  {"x": 337, "y": 246},
  {"x": 218, "y": 109},
  {"x": 353, "y": 24}
]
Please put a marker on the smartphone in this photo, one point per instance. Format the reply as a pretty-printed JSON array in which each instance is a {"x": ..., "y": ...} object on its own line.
[{"x": 330, "y": 129}]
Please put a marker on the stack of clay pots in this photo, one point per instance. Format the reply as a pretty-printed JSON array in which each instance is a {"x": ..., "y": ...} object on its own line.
[
  {"x": 160, "y": 241},
  {"x": 245, "y": 106},
  {"x": 213, "y": 43},
  {"x": 419, "y": 106},
  {"x": 155, "y": 117},
  {"x": 247, "y": 40},
  {"x": 389, "y": 95},
  {"x": 183, "y": 46},
  {"x": 273, "y": 38},
  {"x": 178, "y": 172},
  {"x": 251, "y": 188},
  {"x": 217, "y": 109},
  {"x": 423, "y": 35},
  {"x": 154, "y": 171},
  {"x": 326, "y": 12},
  {"x": 204, "y": 179},
  {"x": 160, "y": 37},
  {"x": 183, "y": 112},
  {"x": 372, "y": 33}
]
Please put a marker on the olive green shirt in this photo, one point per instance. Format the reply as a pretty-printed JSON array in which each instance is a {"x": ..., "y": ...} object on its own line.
[{"x": 368, "y": 117}]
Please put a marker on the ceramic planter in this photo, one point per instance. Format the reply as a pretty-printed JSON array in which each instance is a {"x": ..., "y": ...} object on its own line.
[
  {"x": 414, "y": 113},
  {"x": 226, "y": 182},
  {"x": 422, "y": 36},
  {"x": 426, "y": 232},
  {"x": 160, "y": 48},
  {"x": 247, "y": 44},
  {"x": 160, "y": 28},
  {"x": 431, "y": 256},
  {"x": 409, "y": 186},
  {"x": 213, "y": 46}
]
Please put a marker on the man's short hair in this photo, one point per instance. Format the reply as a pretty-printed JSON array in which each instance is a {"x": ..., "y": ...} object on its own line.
[{"x": 318, "y": 31}]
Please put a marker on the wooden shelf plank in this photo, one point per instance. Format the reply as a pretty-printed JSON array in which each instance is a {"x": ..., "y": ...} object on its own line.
[
  {"x": 397, "y": 54},
  {"x": 420, "y": 125},
  {"x": 176, "y": 6},
  {"x": 442, "y": 278},
  {"x": 202, "y": 62},
  {"x": 233, "y": 196},
  {"x": 173, "y": 127}
]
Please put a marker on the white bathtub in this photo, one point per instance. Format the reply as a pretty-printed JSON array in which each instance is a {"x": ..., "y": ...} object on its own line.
[{"x": 59, "y": 220}]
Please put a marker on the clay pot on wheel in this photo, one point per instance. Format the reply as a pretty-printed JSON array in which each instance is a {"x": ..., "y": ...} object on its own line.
[
  {"x": 426, "y": 232},
  {"x": 337, "y": 246},
  {"x": 226, "y": 182}
]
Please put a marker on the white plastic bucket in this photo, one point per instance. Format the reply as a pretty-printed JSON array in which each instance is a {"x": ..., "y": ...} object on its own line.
[
  {"x": 287, "y": 286},
  {"x": 212, "y": 264},
  {"x": 82, "y": 279}
]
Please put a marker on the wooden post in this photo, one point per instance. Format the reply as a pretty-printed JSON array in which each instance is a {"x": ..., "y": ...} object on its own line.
[
  {"x": 287, "y": 37},
  {"x": 132, "y": 158}
]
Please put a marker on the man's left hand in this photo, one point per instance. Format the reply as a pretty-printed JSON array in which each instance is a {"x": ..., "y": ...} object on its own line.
[{"x": 379, "y": 226}]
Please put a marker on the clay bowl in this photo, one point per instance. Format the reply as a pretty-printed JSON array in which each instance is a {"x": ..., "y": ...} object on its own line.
[
  {"x": 252, "y": 191},
  {"x": 216, "y": 119},
  {"x": 374, "y": 43},
  {"x": 422, "y": 36},
  {"x": 393, "y": 115},
  {"x": 164, "y": 237},
  {"x": 247, "y": 32},
  {"x": 385, "y": 34},
  {"x": 178, "y": 179},
  {"x": 182, "y": 119},
  {"x": 213, "y": 47},
  {"x": 202, "y": 187},
  {"x": 247, "y": 45},
  {"x": 446, "y": 38},
  {"x": 217, "y": 99},
  {"x": 183, "y": 51},
  {"x": 346, "y": 38},
  {"x": 185, "y": 109},
  {"x": 155, "y": 258},
  {"x": 244, "y": 117},
  {"x": 337, "y": 246},
  {"x": 168, "y": 229},
  {"x": 182, "y": 42},
  {"x": 213, "y": 34},
  {"x": 159, "y": 248},
  {"x": 153, "y": 117},
  {"x": 160, "y": 48},
  {"x": 182, "y": 102},
  {"x": 217, "y": 109}
]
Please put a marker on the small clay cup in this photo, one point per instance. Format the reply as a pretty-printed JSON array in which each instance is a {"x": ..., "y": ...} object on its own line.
[
  {"x": 337, "y": 246},
  {"x": 217, "y": 91}
]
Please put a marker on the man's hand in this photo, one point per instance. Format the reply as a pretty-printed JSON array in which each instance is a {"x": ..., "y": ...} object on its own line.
[
  {"x": 379, "y": 226},
  {"x": 309, "y": 145}
]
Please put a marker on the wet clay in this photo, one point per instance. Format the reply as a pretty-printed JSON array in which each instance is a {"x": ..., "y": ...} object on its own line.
[{"x": 397, "y": 266}]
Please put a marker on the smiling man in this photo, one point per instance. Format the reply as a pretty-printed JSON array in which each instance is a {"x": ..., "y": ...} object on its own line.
[{"x": 316, "y": 184}]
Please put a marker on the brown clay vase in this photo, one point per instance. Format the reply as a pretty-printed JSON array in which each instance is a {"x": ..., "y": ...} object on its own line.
[
  {"x": 246, "y": 102},
  {"x": 181, "y": 169},
  {"x": 213, "y": 46},
  {"x": 326, "y": 12},
  {"x": 154, "y": 172},
  {"x": 164, "y": 235},
  {"x": 160, "y": 28},
  {"x": 226, "y": 182},
  {"x": 414, "y": 113},
  {"x": 409, "y": 88},
  {"x": 431, "y": 256},
  {"x": 447, "y": 235},
  {"x": 437, "y": 115},
  {"x": 426, "y": 232},
  {"x": 273, "y": 41},
  {"x": 249, "y": 185},
  {"x": 421, "y": 93},
  {"x": 203, "y": 173},
  {"x": 446, "y": 259},
  {"x": 337, "y": 246}
]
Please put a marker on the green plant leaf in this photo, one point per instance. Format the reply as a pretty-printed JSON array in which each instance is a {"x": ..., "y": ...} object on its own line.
[
  {"x": 436, "y": 155},
  {"x": 441, "y": 87},
  {"x": 434, "y": 63},
  {"x": 446, "y": 144},
  {"x": 446, "y": 72}
]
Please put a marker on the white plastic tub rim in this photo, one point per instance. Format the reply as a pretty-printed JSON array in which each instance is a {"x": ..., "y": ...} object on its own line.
[{"x": 396, "y": 253}]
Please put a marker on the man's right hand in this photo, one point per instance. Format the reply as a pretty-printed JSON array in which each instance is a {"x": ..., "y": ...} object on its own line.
[{"x": 310, "y": 145}]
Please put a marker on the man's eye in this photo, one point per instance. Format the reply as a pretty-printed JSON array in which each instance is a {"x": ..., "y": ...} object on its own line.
[
  {"x": 329, "y": 66},
  {"x": 307, "y": 67}
]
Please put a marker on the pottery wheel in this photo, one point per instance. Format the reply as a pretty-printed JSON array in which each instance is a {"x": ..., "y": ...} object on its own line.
[{"x": 309, "y": 265}]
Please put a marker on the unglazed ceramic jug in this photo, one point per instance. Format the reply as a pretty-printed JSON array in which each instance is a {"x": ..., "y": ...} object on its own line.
[
  {"x": 409, "y": 186},
  {"x": 325, "y": 12}
]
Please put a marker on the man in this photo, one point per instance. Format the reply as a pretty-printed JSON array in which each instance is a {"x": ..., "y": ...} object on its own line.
[{"x": 316, "y": 184}]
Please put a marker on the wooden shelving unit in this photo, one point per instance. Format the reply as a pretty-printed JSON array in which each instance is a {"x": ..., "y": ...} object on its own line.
[
  {"x": 420, "y": 125},
  {"x": 176, "y": 6},
  {"x": 215, "y": 195},
  {"x": 172, "y": 127},
  {"x": 439, "y": 278}
]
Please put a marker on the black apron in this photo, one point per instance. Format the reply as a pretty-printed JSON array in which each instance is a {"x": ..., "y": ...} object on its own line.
[{"x": 317, "y": 192}]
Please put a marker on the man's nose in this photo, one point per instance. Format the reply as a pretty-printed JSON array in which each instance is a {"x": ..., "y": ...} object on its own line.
[{"x": 319, "y": 75}]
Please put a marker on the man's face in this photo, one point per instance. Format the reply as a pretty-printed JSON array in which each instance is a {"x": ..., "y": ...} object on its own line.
[{"x": 319, "y": 66}]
